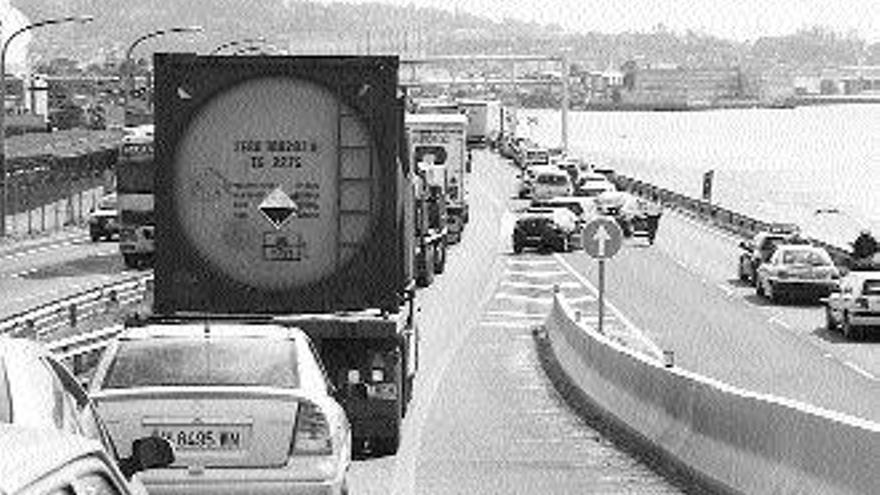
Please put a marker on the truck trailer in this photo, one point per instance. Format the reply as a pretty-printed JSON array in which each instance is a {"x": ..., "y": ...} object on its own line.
[
  {"x": 438, "y": 151},
  {"x": 285, "y": 192},
  {"x": 484, "y": 121}
]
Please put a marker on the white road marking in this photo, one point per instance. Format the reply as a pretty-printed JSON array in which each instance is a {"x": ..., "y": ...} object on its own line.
[
  {"x": 580, "y": 299},
  {"x": 634, "y": 330},
  {"x": 508, "y": 324},
  {"x": 780, "y": 322},
  {"x": 539, "y": 286},
  {"x": 537, "y": 274},
  {"x": 726, "y": 289},
  {"x": 859, "y": 370},
  {"x": 514, "y": 314},
  {"x": 523, "y": 297},
  {"x": 531, "y": 262}
]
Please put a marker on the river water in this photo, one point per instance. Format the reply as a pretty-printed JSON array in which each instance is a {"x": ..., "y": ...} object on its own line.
[{"x": 772, "y": 164}]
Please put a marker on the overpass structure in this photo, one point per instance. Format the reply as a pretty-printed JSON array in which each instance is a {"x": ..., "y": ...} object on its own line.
[{"x": 513, "y": 80}]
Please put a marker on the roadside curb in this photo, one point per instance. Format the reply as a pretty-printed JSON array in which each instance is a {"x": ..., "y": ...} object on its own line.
[{"x": 622, "y": 435}]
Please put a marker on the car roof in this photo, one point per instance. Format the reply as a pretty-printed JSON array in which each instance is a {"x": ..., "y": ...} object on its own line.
[
  {"x": 552, "y": 170},
  {"x": 800, "y": 247},
  {"x": 37, "y": 451},
  {"x": 15, "y": 345},
  {"x": 211, "y": 329}
]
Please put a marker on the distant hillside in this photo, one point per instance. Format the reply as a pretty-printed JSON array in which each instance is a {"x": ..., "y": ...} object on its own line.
[
  {"x": 306, "y": 27},
  {"x": 287, "y": 24}
]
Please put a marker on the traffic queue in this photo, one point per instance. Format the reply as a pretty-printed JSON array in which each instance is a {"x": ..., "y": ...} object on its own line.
[{"x": 565, "y": 192}]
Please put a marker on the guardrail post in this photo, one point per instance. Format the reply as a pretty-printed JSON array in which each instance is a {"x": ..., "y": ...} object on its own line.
[
  {"x": 72, "y": 315},
  {"x": 29, "y": 329},
  {"x": 112, "y": 301}
]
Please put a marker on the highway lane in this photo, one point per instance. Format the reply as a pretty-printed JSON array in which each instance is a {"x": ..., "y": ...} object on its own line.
[
  {"x": 43, "y": 270},
  {"x": 484, "y": 418},
  {"x": 684, "y": 294}
]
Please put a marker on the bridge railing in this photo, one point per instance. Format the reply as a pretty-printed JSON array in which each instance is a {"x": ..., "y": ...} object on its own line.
[
  {"x": 720, "y": 217},
  {"x": 79, "y": 326}
]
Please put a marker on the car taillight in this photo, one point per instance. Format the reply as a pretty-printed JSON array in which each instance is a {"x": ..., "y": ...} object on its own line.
[
  {"x": 862, "y": 302},
  {"x": 782, "y": 274},
  {"x": 311, "y": 434}
]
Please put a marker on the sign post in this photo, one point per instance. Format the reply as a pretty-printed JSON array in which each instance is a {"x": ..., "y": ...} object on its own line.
[{"x": 602, "y": 240}]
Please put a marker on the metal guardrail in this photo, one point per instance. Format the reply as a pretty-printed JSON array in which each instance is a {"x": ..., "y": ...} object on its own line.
[
  {"x": 49, "y": 322},
  {"x": 729, "y": 220}
]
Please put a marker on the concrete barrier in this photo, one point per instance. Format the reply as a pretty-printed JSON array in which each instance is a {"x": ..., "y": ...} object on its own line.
[{"x": 734, "y": 440}]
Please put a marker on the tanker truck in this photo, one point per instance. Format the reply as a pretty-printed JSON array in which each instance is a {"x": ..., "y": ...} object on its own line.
[{"x": 285, "y": 192}]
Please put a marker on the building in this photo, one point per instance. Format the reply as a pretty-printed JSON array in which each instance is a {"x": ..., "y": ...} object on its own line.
[{"x": 666, "y": 85}]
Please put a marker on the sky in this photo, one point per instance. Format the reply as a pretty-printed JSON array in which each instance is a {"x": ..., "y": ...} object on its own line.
[{"x": 733, "y": 19}]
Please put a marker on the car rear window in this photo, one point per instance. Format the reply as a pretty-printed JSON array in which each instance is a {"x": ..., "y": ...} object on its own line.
[
  {"x": 203, "y": 362},
  {"x": 108, "y": 204},
  {"x": 555, "y": 180},
  {"x": 805, "y": 257},
  {"x": 871, "y": 288}
]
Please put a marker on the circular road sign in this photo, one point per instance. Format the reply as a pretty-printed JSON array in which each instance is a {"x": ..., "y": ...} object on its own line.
[{"x": 602, "y": 238}]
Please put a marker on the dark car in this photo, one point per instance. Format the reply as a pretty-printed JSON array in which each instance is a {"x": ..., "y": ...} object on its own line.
[
  {"x": 545, "y": 228},
  {"x": 760, "y": 248},
  {"x": 103, "y": 219}
]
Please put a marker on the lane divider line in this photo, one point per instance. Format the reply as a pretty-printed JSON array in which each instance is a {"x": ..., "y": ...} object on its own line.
[
  {"x": 634, "y": 330},
  {"x": 515, "y": 314},
  {"x": 779, "y": 321},
  {"x": 859, "y": 370}
]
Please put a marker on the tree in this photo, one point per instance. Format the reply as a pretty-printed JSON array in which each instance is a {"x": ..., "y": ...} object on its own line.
[{"x": 865, "y": 245}]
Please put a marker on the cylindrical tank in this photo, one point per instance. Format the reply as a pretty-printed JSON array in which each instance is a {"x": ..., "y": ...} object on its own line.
[{"x": 278, "y": 181}]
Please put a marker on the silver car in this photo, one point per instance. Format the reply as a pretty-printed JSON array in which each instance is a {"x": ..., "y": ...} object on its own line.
[{"x": 247, "y": 406}]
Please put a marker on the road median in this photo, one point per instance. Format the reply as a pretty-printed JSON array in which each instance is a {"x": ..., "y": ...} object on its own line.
[{"x": 727, "y": 439}]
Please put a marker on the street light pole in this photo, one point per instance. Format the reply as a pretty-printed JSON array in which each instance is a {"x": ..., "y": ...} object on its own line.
[
  {"x": 129, "y": 72},
  {"x": 4, "y": 175}
]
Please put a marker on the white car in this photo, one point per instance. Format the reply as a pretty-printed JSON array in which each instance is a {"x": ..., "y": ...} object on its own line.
[
  {"x": 52, "y": 461},
  {"x": 592, "y": 185},
  {"x": 551, "y": 183},
  {"x": 799, "y": 270},
  {"x": 247, "y": 406},
  {"x": 37, "y": 391},
  {"x": 856, "y": 306}
]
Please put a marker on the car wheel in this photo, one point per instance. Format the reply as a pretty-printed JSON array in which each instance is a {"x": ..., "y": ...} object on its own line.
[
  {"x": 563, "y": 244},
  {"x": 830, "y": 325},
  {"x": 847, "y": 328},
  {"x": 517, "y": 247},
  {"x": 743, "y": 276},
  {"x": 95, "y": 235},
  {"x": 771, "y": 292},
  {"x": 759, "y": 288}
]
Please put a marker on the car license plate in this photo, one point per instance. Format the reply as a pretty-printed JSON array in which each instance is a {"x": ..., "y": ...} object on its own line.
[
  {"x": 382, "y": 391},
  {"x": 205, "y": 437}
]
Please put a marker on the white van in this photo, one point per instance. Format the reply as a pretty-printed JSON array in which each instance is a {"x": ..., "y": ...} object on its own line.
[{"x": 551, "y": 183}]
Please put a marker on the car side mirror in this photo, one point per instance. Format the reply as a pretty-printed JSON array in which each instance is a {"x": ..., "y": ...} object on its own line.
[{"x": 147, "y": 453}]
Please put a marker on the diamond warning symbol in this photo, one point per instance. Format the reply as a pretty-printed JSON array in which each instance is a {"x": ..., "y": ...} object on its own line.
[{"x": 277, "y": 207}]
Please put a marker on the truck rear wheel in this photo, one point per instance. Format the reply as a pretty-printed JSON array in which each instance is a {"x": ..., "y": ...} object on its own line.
[
  {"x": 131, "y": 261},
  {"x": 426, "y": 276},
  {"x": 440, "y": 263}
]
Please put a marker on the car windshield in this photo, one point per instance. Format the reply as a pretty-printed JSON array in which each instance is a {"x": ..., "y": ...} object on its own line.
[
  {"x": 805, "y": 257},
  {"x": 107, "y": 204},
  {"x": 553, "y": 180},
  {"x": 203, "y": 362}
]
